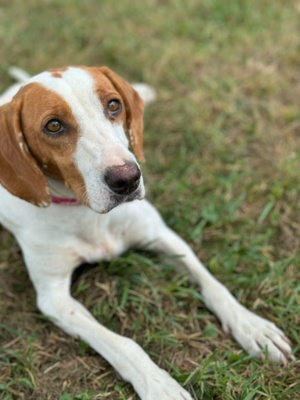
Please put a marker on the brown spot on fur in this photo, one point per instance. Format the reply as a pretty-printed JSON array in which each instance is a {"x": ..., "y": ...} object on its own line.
[
  {"x": 56, "y": 74},
  {"x": 58, "y": 70}
]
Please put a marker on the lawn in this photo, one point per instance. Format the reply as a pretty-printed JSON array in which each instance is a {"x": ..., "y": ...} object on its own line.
[{"x": 222, "y": 144}]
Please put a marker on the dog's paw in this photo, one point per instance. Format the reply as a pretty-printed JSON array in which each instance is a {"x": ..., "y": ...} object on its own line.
[
  {"x": 255, "y": 334},
  {"x": 162, "y": 386}
]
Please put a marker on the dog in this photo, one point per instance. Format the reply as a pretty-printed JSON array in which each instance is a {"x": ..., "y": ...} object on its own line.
[{"x": 72, "y": 192}]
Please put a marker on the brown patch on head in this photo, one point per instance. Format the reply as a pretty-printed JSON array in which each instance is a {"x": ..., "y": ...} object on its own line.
[
  {"x": 107, "y": 81},
  {"x": 57, "y": 72},
  {"x": 24, "y": 121}
]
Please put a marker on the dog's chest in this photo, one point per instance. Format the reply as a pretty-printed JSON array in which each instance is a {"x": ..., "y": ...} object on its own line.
[
  {"x": 103, "y": 249},
  {"x": 99, "y": 240}
]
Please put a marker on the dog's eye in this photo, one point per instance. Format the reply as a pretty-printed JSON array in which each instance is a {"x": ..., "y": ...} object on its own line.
[
  {"x": 54, "y": 126},
  {"x": 114, "y": 107}
]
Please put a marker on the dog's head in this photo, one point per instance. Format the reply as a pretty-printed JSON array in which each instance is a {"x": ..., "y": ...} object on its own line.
[{"x": 69, "y": 124}]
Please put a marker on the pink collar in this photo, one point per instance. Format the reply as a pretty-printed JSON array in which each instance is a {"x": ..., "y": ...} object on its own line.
[{"x": 65, "y": 202}]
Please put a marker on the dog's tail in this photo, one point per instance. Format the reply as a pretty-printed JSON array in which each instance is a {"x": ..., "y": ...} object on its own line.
[
  {"x": 146, "y": 92},
  {"x": 18, "y": 74},
  {"x": 20, "y": 77}
]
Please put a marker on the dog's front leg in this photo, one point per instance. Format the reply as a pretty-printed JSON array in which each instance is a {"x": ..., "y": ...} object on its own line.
[
  {"x": 252, "y": 332},
  {"x": 51, "y": 277}
]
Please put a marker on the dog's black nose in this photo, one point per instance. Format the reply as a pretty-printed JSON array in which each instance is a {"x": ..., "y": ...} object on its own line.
[{"x": 123, "y": 179}]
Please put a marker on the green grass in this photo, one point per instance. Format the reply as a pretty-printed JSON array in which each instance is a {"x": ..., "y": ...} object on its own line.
[{"x": 222, "y": 148}]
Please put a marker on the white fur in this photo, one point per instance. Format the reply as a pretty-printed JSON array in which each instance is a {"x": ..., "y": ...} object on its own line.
[{"x": 56, "y": 239}]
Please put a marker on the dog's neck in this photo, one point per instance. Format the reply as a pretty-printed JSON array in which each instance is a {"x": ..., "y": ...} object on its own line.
[{"x": 60, "y": 193}]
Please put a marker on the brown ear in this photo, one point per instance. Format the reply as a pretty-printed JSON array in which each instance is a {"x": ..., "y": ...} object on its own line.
[
  {"x": 19, "y": 173},
  {"x": 134, "y": 106}
]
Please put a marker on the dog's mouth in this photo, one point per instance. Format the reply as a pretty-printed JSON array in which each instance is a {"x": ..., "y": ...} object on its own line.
[{"x": 115, "y": 200}]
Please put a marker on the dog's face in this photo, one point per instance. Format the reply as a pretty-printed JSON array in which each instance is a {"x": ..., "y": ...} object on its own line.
[{"x": 69, "y": 124}]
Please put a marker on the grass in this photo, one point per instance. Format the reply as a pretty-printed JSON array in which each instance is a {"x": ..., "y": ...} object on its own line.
[{"x": 222, "y": 144}]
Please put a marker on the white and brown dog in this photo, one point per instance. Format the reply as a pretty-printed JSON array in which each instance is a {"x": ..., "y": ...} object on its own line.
[{"x": 69, "y": 183}]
